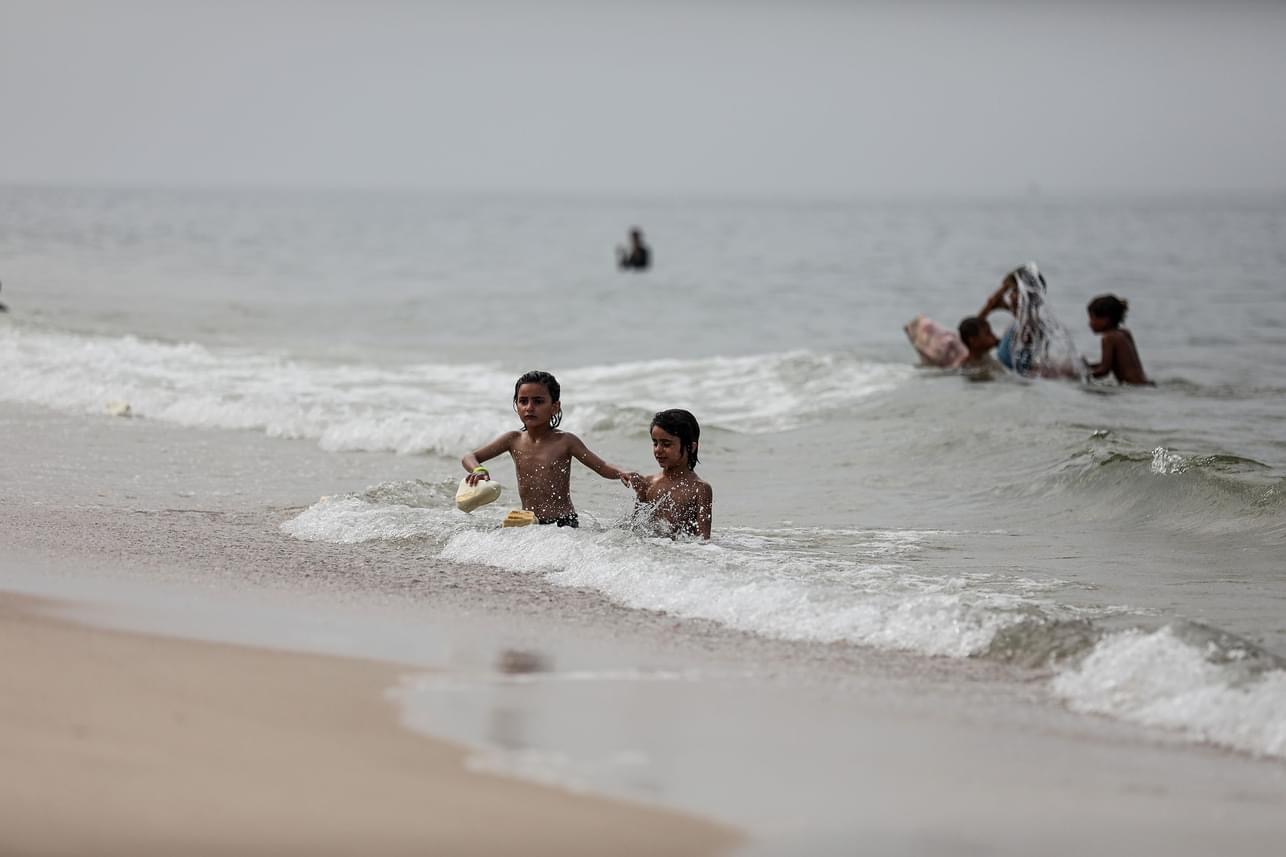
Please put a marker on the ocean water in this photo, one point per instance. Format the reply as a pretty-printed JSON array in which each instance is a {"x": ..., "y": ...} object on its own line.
[{"x": 1126, "y": 544}]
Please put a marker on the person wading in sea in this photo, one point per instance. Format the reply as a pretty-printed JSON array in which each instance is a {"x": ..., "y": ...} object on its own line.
[{"x": 637, "y": 256}]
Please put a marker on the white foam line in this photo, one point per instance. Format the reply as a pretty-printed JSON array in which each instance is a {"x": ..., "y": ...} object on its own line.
[{"x": 1156, "y": 679}]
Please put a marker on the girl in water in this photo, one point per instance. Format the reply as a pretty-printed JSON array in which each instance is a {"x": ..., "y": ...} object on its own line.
[{"x": 677, "y": 499}]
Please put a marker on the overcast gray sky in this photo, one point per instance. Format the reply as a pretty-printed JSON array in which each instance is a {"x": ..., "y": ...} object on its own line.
[{"x": 663, "y": 97}]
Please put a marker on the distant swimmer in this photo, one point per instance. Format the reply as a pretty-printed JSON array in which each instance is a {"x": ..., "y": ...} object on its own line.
[
  {"x": 637, "y": 256},
  {"x": 3, "y": 308},
  {"x": 1119, "y": 357},
  {"x": 679, "y": 502}
]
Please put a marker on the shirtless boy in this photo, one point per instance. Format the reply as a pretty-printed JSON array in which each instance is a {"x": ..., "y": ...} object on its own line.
[
  {"x": 542, "y": 453},
  {"x": 679, "y": 501},
  {"x": 1119, "y": 357}
]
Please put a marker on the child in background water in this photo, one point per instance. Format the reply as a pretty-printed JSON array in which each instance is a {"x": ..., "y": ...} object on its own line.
[
  {"x": 542, "y": 453},
  {"x": 978, "y": 337},
  {"x": 678, "y": 500},
  {"x": 1119, "y": 357}
]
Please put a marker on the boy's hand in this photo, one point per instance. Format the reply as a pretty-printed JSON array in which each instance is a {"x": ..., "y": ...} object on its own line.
[
  {"x": 634, "y": 480},
  {"x": 479, "y": 475}
]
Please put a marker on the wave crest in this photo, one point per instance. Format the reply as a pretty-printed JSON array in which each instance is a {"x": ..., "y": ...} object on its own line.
[
  {"x": 1165, "y": 678},
  {"x": 425, "y": 408}
]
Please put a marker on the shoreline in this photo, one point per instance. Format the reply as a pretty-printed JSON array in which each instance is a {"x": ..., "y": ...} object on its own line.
[
  {"x": 133, "y": 743},
  {"x": 172, "y": 535}
]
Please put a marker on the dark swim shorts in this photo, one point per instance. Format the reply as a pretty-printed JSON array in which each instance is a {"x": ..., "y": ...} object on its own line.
[{"x": 565, "y": 521}]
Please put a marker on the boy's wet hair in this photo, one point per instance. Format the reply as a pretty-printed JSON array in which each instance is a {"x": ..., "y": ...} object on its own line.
[
  {"x": 682, "y": 425},
  {"x": 1110, "y": 307},
  {"x": 970, "y": 327},
  {"x": 550, "y": 383}
]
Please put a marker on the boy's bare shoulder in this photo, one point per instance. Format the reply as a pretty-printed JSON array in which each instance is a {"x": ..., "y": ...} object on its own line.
[
  {"x": 562, "y": 439},
  {"x": 506, "y": 441}
]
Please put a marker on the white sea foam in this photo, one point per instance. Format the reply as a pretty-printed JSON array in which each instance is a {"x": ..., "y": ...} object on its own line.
[
  {"x": 793, "y": 596},
  {"x": 789, "y": 389},
  {"x": 1157, "y": 679},
  {"x": 415, "y": 408},
  {"x": 349, "y": 520},
  {"x": 406, "y": 409},
  {"x": 853, "y": 587},
  {"x": 352, "y": 520},
  {"x": 1165, "y": 462}
]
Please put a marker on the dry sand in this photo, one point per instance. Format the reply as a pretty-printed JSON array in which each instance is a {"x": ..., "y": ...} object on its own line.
[{"x": 125, "y": 743}]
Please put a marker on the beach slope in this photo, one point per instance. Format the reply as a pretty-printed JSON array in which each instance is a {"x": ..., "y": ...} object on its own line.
[{"x": 125, "y": 743}]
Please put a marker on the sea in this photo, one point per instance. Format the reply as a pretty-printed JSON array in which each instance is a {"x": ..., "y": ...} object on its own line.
[{"x": 1126, "y": 547}]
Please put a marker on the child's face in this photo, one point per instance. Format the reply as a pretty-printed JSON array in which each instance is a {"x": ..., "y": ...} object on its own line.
[
  {"x": 534, "y": 406},
  {"x": 984, "y": 341},
  {"x": 1099, "y": 323},
  {"x": 667, "y": 449}
]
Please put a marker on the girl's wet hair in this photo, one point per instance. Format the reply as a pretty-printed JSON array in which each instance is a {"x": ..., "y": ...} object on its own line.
[
  {"x": 1110, "y": 307},
  {"x": 682, "y": 425},
  {"x": 550, "y": 383}
]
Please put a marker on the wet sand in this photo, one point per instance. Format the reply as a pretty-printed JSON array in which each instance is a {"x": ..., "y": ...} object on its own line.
[{"x": 125, "y": 743}]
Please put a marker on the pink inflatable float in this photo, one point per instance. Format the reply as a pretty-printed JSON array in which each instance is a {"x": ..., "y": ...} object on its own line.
[{"x": 937, "y": 345}]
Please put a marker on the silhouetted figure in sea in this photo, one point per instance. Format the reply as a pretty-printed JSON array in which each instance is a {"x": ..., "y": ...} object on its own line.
[
  {"x": 3, "y": 308},
  {"x": 637, "y": 256}
]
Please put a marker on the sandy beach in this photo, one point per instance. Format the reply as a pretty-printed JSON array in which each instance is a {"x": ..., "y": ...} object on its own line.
[{"x": 121, "y": 743}]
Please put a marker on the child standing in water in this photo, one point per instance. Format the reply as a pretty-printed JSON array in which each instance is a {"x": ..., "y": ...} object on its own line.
[
  {"x": 677, "y": 498},
  {"x": 1120, "y": 357},
  {"x": 542, "y": 453}
]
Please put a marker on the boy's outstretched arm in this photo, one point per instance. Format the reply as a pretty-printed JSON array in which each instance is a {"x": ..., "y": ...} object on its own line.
[
  {"x": 473, "y": 460},
  {"x": 637, "y": 482},
  {"x": 592, "y": 461}
]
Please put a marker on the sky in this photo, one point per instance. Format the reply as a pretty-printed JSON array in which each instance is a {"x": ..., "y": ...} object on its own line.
[{"x": 660, "y": 97}]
